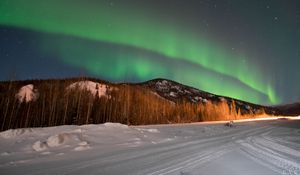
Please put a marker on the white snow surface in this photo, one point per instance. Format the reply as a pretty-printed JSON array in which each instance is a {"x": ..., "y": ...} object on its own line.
[
  {"x": 92, "y": 87},
  {"x": 267, "y": 147},
  {"x": 27, "y": 93}
]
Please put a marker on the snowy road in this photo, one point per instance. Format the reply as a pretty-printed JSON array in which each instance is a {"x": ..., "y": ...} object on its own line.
[{"x": 257, "y": 147}]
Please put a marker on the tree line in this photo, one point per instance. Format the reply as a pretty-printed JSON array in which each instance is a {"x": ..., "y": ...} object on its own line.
[{"x": 123, "y": 103}]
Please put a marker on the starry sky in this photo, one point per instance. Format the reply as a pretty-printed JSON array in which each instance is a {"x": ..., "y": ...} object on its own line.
[{"x": 248, "y": 50}]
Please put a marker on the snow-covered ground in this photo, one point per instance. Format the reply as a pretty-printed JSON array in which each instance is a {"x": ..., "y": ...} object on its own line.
[{"x": 251, "y": 147}]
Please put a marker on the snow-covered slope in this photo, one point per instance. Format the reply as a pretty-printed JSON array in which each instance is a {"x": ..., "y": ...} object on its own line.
[
  {"x": 175, "y": 92},
  {"x": 27, "y": 94},
  {"x": 93, "y": 87},
  {"x": 260, "y": 148}
]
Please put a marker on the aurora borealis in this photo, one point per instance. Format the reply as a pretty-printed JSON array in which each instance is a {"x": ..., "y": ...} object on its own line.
[{"x": 138, "y": 41}]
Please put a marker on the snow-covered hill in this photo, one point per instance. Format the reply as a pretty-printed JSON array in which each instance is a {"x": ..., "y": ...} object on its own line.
[{"x": 175, "y": 92}]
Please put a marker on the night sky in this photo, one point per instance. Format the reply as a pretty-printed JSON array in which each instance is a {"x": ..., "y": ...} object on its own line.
[{"x": 249, "y": 50}]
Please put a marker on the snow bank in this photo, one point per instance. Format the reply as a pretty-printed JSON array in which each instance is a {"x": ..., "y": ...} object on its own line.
[
  {"x": 93, "y": 87},
  {"x": 82, "y": 146},
  {"x": 39, "y": 146},
  {"x": 62, "y": 140},
  {"x": 27, "y": 93},
  {"x": 115, "y": 125},
  {"x": 59, "y": 139},
  {"x": 12, "y": 133},
  {"x": 149, "y": 130}
]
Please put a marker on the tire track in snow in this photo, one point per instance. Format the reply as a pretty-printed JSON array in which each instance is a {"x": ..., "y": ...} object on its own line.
[
  {"x": 264, "y": 150},
  {"x": 202, "y": 158},
  {"x": 210, "y": 155},
  {"x": 176, "y": 151},
  {"x": 171, "y": 157}
]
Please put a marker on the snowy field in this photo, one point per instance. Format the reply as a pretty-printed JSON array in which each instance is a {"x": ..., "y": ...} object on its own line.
[{"x": 251, "y": 147}]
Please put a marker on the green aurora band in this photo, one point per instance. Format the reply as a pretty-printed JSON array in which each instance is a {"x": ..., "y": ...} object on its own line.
[
  {"x": 130, "y": 63},
  {"x": 132, "y": 28}
]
